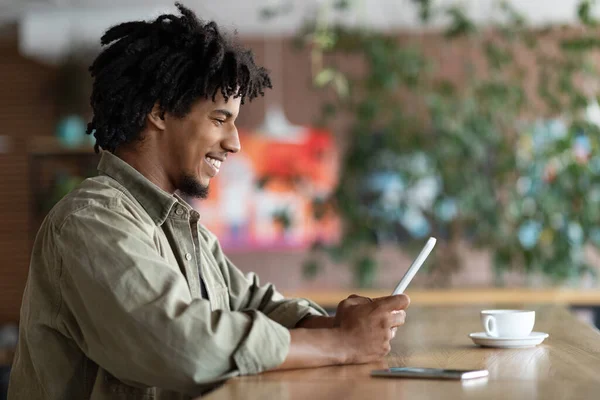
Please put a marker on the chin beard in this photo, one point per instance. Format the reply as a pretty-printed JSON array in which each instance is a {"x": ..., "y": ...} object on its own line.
[{"x": 191, "y": 187}]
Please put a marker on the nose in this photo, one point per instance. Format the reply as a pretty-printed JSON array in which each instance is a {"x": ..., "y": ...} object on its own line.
[{"x": 231, "y": 143}]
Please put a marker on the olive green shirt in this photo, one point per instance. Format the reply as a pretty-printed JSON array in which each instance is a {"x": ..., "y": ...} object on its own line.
[{"x": 113, "y": 307}]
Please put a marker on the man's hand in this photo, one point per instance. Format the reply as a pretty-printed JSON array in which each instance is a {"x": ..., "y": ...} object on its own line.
[
  {"x": 367, "y": 326},
  {"x": 346, "y": 304},
  {"x": 363, "y": 333},
  {"x": 319, "y": 322}
]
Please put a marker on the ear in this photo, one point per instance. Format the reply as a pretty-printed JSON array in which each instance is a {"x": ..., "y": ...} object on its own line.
[{"x": 156, "y": 119}]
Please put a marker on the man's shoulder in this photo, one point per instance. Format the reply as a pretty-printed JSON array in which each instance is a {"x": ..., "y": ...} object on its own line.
[{"x": 91, "y": 196}]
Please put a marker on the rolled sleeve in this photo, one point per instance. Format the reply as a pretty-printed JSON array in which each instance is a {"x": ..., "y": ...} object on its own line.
[
  {"x": 257, "y": 354},
  {"x": 291, "y": 311}
]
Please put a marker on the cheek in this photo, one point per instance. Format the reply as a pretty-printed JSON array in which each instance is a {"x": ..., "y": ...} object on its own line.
[
  {"x": 196, "y": 141},
  {"x": 195, "y": 160},
  {"x": 195, "y": 151},
  {"x": 194, "y": 146}
]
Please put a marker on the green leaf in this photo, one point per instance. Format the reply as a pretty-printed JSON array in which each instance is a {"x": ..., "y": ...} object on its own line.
[
  {"x": 324, "y": 77},
  {"x": 341, "y": 5},
  {"x": 367, "y": 109},
  {"x": 584, "y": 12},
  {"x": 341, "y": 85},
  {"x": 270, "y": 12},
  {"x": 445, "y": 88},
  {"x": 337, "y": 253},
  {"x": 516, "y": 20},
  {"x": 329, "y": 110},
  {"x": 565, "y": 85},
  {"x": 546, "y": 94},
  {"x": 578, "y": 101},
  {"x": 497, "y": 56},
  {"x": 530, "y": 40},
  {"x": 310, "y": 269},
  {"x": 460, "y": 24},
  {"x": 580, "y": 44},
  {"x": 365, "y": 269},
  {"x": 324, "y": 39},
  {"x": 425, "y": 9}
]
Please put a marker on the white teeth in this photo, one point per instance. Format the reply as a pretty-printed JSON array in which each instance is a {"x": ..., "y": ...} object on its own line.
[{"x": 215, "y": 163}]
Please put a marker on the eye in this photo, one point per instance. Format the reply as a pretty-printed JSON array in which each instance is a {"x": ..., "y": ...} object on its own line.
[{"x": 219, "y": 122}]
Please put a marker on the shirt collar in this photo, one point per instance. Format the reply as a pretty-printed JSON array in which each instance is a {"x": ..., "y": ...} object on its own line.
[{"x": 156, "y": 202}]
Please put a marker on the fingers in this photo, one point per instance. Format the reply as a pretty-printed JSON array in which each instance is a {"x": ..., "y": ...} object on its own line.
[
  {"x": 397, "y": 318},
  {"x": 391, "y": 303},
  {"x": 391, "y": 320}
]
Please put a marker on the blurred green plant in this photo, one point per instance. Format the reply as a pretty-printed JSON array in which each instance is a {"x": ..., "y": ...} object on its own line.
[{"x": 505, "y": 159}]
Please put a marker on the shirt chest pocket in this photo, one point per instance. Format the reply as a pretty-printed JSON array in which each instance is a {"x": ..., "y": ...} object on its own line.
[
  {"x": 178, "y": 263},
  {"x": 218, "y": 292},
  {"x": 219, "y": 298},
  {"x": 207, "y": 269}
]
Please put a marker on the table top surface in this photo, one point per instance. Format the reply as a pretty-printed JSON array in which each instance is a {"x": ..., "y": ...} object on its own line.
[
  {"x": 465, "y": 296},
  {"x": 566, "y": 365}
]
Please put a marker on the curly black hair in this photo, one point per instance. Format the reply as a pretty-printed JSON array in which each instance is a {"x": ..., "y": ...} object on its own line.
[{"x": 175, "y": 61}]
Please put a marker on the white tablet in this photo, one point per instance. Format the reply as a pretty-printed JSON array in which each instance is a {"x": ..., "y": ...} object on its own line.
[{"x": 414, "y": 267}]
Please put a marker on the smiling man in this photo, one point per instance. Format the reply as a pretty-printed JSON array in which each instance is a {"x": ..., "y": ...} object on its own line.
[{"x": 128, "y": 295}]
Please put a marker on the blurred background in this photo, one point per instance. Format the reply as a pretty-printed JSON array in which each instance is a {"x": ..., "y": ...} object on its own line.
[{"x": 474, "y": 121}]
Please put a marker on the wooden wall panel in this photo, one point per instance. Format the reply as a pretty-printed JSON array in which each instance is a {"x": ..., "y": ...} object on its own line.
[{"x": 24, "y": 113}]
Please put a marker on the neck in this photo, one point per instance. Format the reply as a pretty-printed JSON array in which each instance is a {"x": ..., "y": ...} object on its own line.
[{"x": 146, "y": 162}]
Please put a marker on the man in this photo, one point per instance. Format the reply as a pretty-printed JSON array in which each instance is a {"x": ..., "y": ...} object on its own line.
[{"x": 128, "y": 295}]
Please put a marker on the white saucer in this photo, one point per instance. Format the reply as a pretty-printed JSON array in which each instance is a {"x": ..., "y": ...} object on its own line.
[{"x": 534, "y": 338}]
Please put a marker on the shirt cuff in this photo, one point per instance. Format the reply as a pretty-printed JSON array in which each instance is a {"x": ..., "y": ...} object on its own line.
[
  {"x": 266, "y": 346},
  {"x": 293, "y": 310}
]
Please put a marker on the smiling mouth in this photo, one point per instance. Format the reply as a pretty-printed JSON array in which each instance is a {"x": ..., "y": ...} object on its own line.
[{"x": 214, "y": 164}]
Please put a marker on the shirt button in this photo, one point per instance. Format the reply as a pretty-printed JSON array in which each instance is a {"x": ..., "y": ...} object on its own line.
[
  {"x": 179, "y": 211},
  {"x": 188, "y": 256}
]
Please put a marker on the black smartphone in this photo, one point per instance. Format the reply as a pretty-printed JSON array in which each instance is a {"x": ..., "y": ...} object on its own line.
[{"x": 430, "y": 373}]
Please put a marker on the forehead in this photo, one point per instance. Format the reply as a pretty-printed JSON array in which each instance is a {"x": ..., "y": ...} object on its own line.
[{"x": 206, "y": 106}]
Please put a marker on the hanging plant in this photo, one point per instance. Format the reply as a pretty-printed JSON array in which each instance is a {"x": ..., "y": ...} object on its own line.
[{"x": 465, "y": 160}]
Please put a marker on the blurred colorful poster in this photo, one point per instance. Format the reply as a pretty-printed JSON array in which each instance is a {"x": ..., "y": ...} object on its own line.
[{"x": 263, "y": 197}]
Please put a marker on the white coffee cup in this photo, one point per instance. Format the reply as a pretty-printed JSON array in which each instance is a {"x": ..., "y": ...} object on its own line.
[{"x": 508, "y": 323}]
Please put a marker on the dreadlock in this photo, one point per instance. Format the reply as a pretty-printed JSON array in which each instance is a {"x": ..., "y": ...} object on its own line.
[{"x": 174, "y": 61}]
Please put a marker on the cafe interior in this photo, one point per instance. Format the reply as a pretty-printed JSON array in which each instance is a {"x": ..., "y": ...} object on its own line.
[{"x": 449, "y": 149}]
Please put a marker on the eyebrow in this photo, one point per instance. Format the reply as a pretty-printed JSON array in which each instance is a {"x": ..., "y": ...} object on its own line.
[{"x": 225, "y": 113}]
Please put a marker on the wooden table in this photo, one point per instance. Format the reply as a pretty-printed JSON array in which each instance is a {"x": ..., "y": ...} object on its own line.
[
  {"x": 565, "y": 366},
  {"x": 583, "y": 299},
  {"x": 466, "y": 296}
]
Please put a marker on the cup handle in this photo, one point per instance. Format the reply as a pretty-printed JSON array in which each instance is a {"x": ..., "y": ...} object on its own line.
[{"x": 489, "y": 323}]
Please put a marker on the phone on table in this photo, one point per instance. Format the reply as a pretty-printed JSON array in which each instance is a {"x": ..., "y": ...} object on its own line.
[
  {"x": 430, "y": 373},
  {"x": 414, "y": 267}
]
